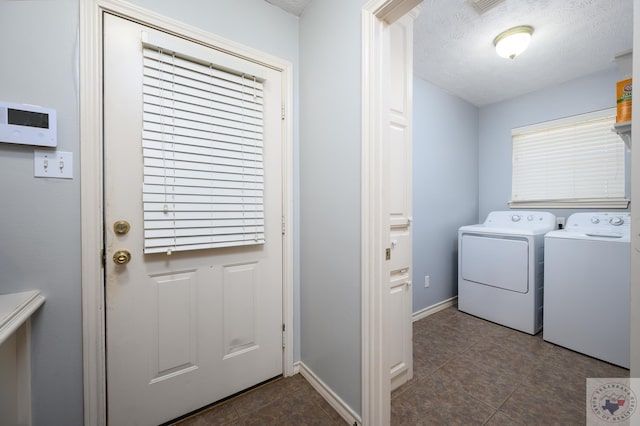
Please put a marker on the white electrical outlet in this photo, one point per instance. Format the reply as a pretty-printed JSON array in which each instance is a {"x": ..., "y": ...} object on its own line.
[{"x": 426, "y": 281}]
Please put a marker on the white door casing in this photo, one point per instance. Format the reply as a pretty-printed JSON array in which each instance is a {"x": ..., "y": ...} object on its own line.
[
  {"x": 399, "y": 171},
  {"x": 91, "y": 14},
  {"x": 184, "y": 329}
]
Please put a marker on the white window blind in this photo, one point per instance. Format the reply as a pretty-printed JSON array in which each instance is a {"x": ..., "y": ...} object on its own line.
[
  {"x": 569, "y": 162},
  {"x": 203, "y": 155}
]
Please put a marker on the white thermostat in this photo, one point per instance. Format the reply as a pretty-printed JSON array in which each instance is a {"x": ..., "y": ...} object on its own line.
[{"x": 28, "y": 125}]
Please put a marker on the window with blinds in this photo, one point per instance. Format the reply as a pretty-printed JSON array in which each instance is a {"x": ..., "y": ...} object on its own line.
[
  {"x": 203, "y": 155},
  {"x": 572, "y": 162}
]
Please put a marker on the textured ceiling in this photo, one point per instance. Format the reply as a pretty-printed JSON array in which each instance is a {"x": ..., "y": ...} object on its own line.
[
  {"x": 453, "y": 44},
  {"x": 292, "y": 6}
]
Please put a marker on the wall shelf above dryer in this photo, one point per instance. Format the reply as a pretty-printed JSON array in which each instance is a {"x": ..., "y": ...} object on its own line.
[{"x": 624, "y": 131}]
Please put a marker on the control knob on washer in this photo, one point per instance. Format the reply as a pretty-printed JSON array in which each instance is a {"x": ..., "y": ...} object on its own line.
[{"x": 616, "y": 221}]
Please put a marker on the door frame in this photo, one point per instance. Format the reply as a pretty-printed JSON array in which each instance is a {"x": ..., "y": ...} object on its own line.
[
  {"x": 377, "y": 15},
  {"x": 92, "y": 173}
]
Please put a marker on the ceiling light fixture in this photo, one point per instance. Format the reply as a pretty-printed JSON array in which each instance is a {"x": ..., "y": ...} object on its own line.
[{"x": 514, "y": 41}]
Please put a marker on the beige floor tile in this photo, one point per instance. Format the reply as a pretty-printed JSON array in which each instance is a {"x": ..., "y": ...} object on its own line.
[
  {"x": 223, "y": 414},
  {"x": 466, "y": 371},
  {"x": 501, "y": 419},
  {"x": 490, "y": 385},
  {"x": 585, "y": 365},
  {"x": 537, "y": 406}
]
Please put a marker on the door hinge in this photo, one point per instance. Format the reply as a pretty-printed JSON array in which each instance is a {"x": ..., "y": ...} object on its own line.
[
  {"x": 284, "y": 226},
  {"x": 284, "y": 336},
  {"x": 282, "y": 111}
]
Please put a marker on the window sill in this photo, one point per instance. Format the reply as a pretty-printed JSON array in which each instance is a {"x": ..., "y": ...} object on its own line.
[{"x": 621, "y": 203}]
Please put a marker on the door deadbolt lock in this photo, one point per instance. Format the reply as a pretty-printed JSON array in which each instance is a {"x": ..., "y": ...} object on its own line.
[
  {"x": 121, "y": 227},
  {"x": 121, "y": 257}
]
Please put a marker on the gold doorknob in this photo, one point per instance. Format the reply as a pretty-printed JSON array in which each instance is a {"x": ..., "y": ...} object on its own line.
[
  {"x": 121, "y": 227},
  {"x": 121, "y": 257}
]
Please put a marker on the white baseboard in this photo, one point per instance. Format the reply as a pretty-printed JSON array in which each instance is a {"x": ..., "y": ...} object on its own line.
[
  {"x": 430, "y": 310},
  {"x": 329, "y": 395}
]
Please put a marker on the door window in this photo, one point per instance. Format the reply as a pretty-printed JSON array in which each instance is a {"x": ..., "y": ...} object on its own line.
[{"x": 203, "y": 155}]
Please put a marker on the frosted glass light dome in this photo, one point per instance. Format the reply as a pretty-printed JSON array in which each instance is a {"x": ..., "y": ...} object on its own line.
[{"x": 513, "y": 41}]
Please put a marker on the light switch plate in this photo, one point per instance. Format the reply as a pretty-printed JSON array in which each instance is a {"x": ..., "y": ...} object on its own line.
[{"x": 53, "y": 164}]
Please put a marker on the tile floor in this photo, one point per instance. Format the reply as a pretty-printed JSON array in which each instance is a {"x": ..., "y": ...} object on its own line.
[
  {"x": 470, "y": 371},
  {"x": 284, "y": 401},
  {"x": 466, "y": 371}
]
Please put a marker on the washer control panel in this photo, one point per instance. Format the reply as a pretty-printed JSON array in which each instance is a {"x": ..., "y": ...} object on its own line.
[
  {"x": 600, "y": 223},
  {"x": 616, "y": 221}
]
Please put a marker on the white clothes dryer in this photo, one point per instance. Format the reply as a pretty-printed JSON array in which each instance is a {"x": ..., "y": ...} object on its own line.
[
  {"x": 500, "y": 268},
  {"x": 587, "y": 284}
]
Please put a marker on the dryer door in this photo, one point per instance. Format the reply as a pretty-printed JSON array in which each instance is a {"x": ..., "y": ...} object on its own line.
[{"x": 496, "y": 261}]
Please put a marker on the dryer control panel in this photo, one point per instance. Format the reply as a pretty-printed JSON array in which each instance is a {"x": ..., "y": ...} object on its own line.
[{"x": 520, "y": 220}]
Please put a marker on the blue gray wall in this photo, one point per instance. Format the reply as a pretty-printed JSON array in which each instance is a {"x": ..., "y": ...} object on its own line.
[
  {"x": 330, "y": 194},
  {"x": 445, "y": 188},
  {"x": 591, "y": 93},
  {"x": 40, "y": 231},
  {"x": 40, "y": 218}
]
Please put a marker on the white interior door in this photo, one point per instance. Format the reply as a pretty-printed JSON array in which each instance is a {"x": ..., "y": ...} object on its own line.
[
  {"x": 184, "y": 328},
  {"x": 399, "y": 141}
]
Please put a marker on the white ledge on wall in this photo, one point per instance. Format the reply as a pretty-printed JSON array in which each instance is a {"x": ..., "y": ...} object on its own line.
[
  {"x": 624, "y": 131},
  {"x": 16, "y": 309}
]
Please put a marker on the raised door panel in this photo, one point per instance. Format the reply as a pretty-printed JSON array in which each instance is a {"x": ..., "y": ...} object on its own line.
[
  {"x": 176, "y": 310},
  {"x": 241, "y": 283},
  {"x": 400, "y": 250},
  {"x": 400, "y": 60},
  {"x": 399, "y": 355},
  {"x": 399, "y": 176}
]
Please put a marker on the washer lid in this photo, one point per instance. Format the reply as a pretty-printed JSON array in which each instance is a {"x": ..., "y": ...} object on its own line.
[
  {"x": 597, "y": 226},
  {"x": 589, "y": 234}
]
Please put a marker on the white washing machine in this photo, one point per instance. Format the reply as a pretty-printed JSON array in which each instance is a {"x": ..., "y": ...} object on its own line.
[
  {"x": 500, "y": 268},
  {"x": 586, "y": 289}
]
